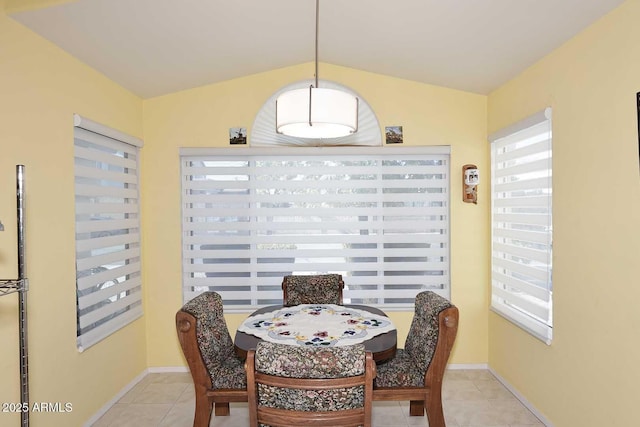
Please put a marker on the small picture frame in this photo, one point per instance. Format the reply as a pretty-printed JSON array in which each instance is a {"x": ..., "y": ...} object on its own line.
[
  {"x": 393, "y": 134},
  {"x": 237, "y": 136}
]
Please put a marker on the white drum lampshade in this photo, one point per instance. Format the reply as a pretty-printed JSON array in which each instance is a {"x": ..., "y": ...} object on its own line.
[{"x": 317, "y": 113}]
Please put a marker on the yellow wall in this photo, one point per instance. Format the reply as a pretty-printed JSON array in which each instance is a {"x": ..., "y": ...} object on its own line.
[
  {"x": 42, "y": 86},
  {"x": 40, "y": 89},
  {"x": 587, "y": 377},
  {"x": 202, "y": 117},
  {"x": 590, "y": 373}
]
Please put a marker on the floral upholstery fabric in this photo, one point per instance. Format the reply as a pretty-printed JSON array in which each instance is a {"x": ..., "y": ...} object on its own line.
[
  {"x": 310, "y": 362},
  {"x": 318, "y": 289},
  {"x": 225, "y": 369},
  {"x": 409, "y": 366}
]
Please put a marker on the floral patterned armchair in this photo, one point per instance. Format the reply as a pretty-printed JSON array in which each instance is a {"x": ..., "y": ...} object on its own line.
[
  {"x": 218, "y": 374},
  {"x": 316, "y": 289},
  {"x": 415, "y": 373},
  {"x": 292, "y": 386}
]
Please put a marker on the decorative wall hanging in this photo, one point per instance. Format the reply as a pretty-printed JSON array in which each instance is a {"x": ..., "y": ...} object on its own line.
[{"x": 470, "y": 181}]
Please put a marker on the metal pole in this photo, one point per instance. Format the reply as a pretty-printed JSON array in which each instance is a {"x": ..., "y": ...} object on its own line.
[
  {"x": 317, "y": 20},
  {"x": 316, "y": 61},
  {"x": 22, "y": 301}
]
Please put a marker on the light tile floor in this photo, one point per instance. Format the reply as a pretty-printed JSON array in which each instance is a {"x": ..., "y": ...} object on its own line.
[{"x": 471, "y": 398}]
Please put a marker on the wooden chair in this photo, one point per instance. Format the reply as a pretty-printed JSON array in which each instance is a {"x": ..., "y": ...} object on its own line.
[
  {"x": 293, "y": 386},
  {"x": 218, "y": 374},
  {"x": 415, "y": 373},
  {"x": 314, "y": 289}
]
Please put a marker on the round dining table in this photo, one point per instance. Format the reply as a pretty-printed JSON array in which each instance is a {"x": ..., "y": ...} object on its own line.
[{"x": 382, "y": 346}]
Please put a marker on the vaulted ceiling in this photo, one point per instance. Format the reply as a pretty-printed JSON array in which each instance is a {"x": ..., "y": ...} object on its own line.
[{"x": 154, "y": 47}]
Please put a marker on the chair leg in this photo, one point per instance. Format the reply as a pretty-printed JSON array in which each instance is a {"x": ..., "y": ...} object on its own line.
[
  {"x": 416, "y": 408},
  {"x": 434, "y": 412},
  {"x": 222, "y": 409},
  {"x": 204, "y": 407}
]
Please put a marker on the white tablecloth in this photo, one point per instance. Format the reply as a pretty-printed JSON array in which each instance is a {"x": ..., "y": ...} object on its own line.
[{"x": 317, "y": 325}]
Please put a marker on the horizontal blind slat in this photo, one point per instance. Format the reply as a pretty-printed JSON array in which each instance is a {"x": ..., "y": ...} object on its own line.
[
  {"x": 106, "y": 208},
  {"x": 321, "y": 252},
  {"x": 499, "y": 234},
  {"x": 97, "y": 191},
  {"x": 105, "y": 293},
  {"x": 121, "y": 225},
  {"x": 105, "y": 242},
  {"x": 542, "y": 144},
  {"x": 107, "y": 258},
  {"x": 536, "y": 273},
  {"x": 537, "y": 219},
  {"x": 541, "y": 183},
  {"x": 434, "y": 239},
  {"x": 518, "y": 202},
  {"x": 84, "y": 153},
  {"x": 501, "y": 250},
  {"x": 537, "y": 292},
  {"x": 111, "y": 274},
  {"x": 109, "y": 310},
  {"x": 520, "y": 300},
  {"x": 105, "y": 175}
]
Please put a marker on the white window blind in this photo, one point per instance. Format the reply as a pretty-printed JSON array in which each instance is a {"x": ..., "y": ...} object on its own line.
[
  {"x": 379, "y": 217},
  {"x": 107, "y": 231},
  {"x": 521, "y": 167}
]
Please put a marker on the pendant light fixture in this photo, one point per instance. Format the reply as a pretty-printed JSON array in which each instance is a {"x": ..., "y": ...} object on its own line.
[{"x": 316, "y": 113}]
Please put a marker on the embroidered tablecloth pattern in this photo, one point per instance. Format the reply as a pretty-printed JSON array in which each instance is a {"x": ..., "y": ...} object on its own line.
[{"x": 317, "y": 325}]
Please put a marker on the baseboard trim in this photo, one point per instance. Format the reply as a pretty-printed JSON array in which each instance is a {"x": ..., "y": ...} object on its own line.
[
  {"x": 456, "y": 366},
  {"x": 164, "y": 369},
  {"x": 522, "y": 399},
  {"x": 103, "y": 410}
]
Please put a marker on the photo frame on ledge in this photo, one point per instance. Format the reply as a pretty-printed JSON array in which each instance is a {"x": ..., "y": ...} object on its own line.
[
  {"x": 237, "y": 136},
  {"x": 393, "y": 134}
]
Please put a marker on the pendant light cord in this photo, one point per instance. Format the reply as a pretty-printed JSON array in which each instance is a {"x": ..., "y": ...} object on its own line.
[{"x": 317, "y": 20}]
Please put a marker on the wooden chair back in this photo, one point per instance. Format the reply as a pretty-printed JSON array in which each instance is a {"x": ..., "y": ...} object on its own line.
[
  {"x": 292, "y": 386},
  {"x": 312, "y": 289}
]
